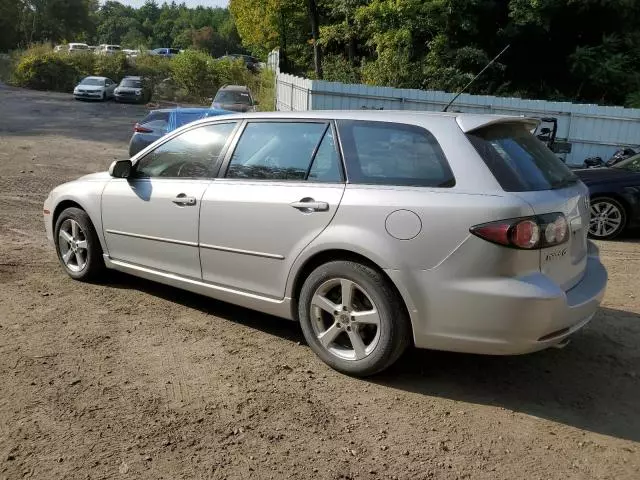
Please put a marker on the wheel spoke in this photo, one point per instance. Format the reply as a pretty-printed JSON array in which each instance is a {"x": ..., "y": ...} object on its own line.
[
  {"x": 65, "y": 236},
  {"x": 594, "y": 211},
  {"x": 74, "y": 229},
  {"x": 329, "y": 335},
  {"x": 82, "y": 244},
  {"x": 369, "y": 317},
  {"x": 600, "y": 229},
  {"x": 357, "y": 343},
  {"x": 346, "y": 289},
  {"x": 324, "y": 303},
  {"x": 79, "y": 259},
  {"x": 612, "y": 221},
  {"x": 67, "y": 256}
]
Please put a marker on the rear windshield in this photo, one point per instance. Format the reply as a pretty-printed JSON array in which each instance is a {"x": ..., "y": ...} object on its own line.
[
  {"x": 153, "y": 116},
  {"x": 519, "y": 161},
  {"x": 183, "y": 118},
  {"x": 229, "y": 96}
]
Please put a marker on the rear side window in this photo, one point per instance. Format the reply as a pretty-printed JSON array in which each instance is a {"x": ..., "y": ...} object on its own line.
[
  {"x": 281, "y": 151},
  {"x": 385, "y": 153},
  {"x": 519, "y": 161}
]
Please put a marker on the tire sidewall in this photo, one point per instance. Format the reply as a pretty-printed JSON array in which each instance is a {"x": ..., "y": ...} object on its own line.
[
  {"x": 94, "y": 249},
  {"x": 623, "y": 213},
  {"x": 385, "y": 302}
]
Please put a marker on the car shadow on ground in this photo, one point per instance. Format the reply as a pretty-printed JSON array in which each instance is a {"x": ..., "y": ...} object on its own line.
[{"x": 592, "y": 384}]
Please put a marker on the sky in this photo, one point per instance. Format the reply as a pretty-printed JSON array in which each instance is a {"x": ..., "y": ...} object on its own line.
[{"x": 190, "y": 3}]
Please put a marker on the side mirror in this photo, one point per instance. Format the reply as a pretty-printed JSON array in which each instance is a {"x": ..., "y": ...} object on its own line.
[{"x": 121, "y": 169}]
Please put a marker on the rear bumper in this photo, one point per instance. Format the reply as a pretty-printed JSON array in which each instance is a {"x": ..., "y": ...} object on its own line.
[{"x": 499, "y": 316}]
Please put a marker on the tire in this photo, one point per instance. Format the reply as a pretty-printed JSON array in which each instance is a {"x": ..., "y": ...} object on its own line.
[
  {"x": 78, "y": 248},
  {"x": 608, "y": 218},
  {"x": 381, "y": 345}
]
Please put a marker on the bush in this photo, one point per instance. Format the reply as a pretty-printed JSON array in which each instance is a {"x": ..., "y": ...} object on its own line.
[
  {"x": 336, "y": 68},
  {"x": 47, "y": 71},
  {"x": 194, "y": 72},
  {"x": 114, "y": 67}
]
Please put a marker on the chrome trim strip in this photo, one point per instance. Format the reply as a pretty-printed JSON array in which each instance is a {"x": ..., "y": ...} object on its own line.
[
  {"x": 149, "y": 237},
  {"x": 242, "y": 252}
]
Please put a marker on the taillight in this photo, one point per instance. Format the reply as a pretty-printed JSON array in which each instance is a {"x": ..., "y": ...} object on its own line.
[
  {"x": 527, "y": 233},
  {"x": 140, "y": 129}
]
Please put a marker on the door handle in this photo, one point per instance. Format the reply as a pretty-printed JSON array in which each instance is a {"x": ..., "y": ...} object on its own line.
[
  {"x": 309, "y": 205},
  {"x": 184, "y": 201}
]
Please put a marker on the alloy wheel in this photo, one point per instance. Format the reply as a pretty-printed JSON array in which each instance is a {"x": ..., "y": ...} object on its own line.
[
  {"x": 345, "y": 319},
  {"x": 606, "y": 219},
  {"x": 72, "y": 244}
]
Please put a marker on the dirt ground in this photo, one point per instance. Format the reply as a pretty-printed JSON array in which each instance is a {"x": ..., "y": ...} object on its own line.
[{"x": 129, "y": 379}]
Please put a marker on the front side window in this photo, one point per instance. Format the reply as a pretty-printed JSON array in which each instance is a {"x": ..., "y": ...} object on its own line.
[
  {"x": 196, "y": 153},
  {"x": 384, "y": 153},
  {"x": 276, "y": 150}
]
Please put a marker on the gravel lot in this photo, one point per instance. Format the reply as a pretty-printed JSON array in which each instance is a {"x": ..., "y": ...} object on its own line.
[{"x": 129, "y": 379}]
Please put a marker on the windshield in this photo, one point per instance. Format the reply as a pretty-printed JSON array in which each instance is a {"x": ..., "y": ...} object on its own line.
[
  {"x": 131, "y": 83},
  {"x": 183, "y": 118},
  {"x": 632, "y": 164},
  {"x": 228, "y": 96},
  {"x": 79, "y": 47},
  {"x": 92, "y": 81},
  {"x": 518, "y": 160}
]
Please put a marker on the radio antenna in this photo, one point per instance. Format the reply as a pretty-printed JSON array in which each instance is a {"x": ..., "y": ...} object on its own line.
[{"x": 474, "y": 78}]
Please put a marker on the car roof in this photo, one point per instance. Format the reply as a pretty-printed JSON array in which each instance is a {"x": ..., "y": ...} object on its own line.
[
  {"x": 468, "y": 122},
  {"x": 184, "y": 110}
]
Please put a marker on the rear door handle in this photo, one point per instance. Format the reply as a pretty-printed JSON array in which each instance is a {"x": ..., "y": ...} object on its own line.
[
  {"x": 184, "y": 201},
  {"x": 310, "y": 205}
]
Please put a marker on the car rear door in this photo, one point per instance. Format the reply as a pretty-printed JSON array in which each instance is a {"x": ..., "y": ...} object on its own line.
[{"x": 279, "y": 189}]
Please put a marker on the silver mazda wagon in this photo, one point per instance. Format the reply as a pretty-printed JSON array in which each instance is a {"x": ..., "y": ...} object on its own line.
[{"x": 373, "y": 229}]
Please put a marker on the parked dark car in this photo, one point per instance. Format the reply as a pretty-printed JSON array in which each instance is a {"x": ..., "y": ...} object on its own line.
[
  {"x": 165, "y": 52},
  {"x": 132, "y": 89},
  {"x": 252, "y": 63},
  {"x": 236, "y": 98},
  {"x": 615, "y": 197},
  {"x": 160, "y": 122}
]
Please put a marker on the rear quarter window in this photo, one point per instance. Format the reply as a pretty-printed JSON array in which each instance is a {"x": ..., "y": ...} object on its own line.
[
  {"x": 385, "y": 153},
  {"x": 519, "y": 161}
]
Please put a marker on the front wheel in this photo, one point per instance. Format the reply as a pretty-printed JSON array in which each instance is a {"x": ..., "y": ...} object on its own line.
[
  {"x": 352, "y": 318},
  {"x": 608, "y": 218},
  {"x": 77, "y": 245}
]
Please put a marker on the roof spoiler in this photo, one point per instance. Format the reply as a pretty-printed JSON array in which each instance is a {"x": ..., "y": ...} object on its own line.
[{"x": 470, "y": 123}]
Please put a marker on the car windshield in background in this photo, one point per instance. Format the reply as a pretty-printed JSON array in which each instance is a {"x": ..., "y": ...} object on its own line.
[
  {"x": 631, "y": 164},
  {"x": 233, "y": 97},
  {"x": 131, "y": 83},
  {"x": 92, "y": 81},
  {"x": 518, "y": 160}
]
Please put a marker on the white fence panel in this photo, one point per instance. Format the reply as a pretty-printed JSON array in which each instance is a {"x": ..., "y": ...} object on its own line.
[{"x": 592, "y": 130}]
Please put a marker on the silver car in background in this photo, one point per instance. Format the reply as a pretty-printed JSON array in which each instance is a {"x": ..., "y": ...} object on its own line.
[{"x": 374, "y": 230}]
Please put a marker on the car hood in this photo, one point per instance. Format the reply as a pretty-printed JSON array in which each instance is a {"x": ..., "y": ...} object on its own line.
[
  {"x": 90, "y": 88},
  {"x": 94, "y": 177},
  {"x": 129, "y": 89},
  {"x": 599, "y": 175}
]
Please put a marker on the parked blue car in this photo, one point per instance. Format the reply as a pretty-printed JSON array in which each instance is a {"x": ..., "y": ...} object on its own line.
[{"x": 160, "y": 122}]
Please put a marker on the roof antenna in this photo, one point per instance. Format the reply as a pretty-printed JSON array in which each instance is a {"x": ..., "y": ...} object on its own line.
[{"x": 474, "y": 78}]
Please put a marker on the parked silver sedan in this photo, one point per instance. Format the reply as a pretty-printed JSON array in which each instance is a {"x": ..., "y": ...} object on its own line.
[
  {"x": 374, "y": 230},
  {"x": 95, "y": 88}
]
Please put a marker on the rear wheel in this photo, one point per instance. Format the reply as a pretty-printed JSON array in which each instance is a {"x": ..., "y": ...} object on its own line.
[
  {"x": 608, "y": 218},
  {"x": 77, "y": 245},
  {"x": 352, "y": 318}
]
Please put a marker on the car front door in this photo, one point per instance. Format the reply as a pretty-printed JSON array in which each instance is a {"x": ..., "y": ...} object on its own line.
[
  {"x": 279, "y": 189},
  {"x": 151, "y": 218}
]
